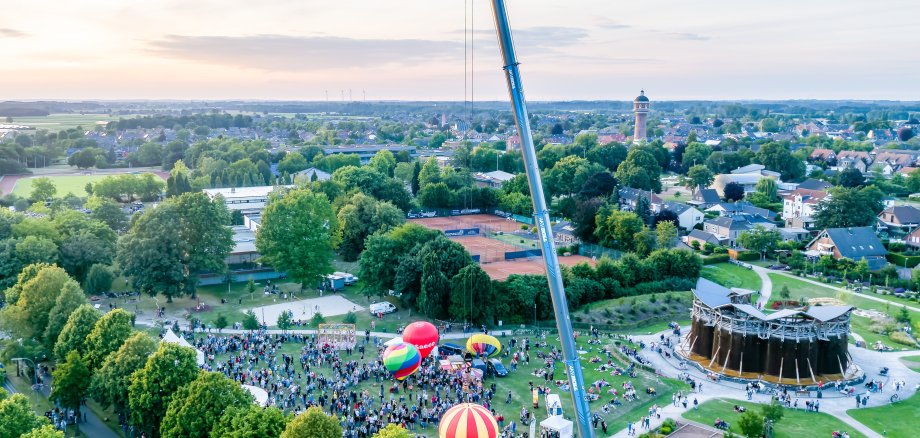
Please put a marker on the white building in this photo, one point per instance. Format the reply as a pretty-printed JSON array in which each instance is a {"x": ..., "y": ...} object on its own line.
[
  {"x": 247, "y": 200},
  {"x": 800, "y": 206}
]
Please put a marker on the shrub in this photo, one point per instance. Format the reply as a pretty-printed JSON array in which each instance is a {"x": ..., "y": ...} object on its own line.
[
  {"x": 901, "y": 338},
  {"x": 714, "y": 259},
  {"x": 747, "y": 256},
  {"x": 668, "y": 426},
  {"x": 350, "y": 318}
]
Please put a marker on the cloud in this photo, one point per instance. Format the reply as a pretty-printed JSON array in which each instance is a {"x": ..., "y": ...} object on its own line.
[
  {"x": 612, "y": 25},
  {"x": 291, "y": 53},
  {"x": 687, "y": 36},
  {"x": 6, "y": 32}
]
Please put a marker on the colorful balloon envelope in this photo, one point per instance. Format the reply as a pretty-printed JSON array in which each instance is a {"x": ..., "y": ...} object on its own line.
[
  {"x": 483, "y": 345},
  {"x": 401, "y": 360},
  {"x": 468, "y": 420},
  {"x": 424, "y": 335}
]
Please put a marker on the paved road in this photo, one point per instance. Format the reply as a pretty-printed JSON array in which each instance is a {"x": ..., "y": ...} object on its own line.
[
  {"x": 93, "y": 427},
  {"x": 833, "y": 404},
  {"x": 766, "y": 288}
]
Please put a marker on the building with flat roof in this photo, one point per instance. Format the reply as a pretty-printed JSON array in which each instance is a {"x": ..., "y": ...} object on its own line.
[
  {"x": 366, "y": 151},
  {"x": 246, "y": 200}
]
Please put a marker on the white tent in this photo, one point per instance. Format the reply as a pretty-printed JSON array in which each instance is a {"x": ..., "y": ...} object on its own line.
[
  {"x": 559, "y": 425},
  {"x": 259, "y": 394},
  {"x": 172, "y": 338}
]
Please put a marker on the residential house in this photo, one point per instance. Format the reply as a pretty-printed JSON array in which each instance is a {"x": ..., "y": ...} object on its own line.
[
  {"x": 726, "y": 228},
  {"x": 858, "y": 160},
  {"x": 742, "y": 207},
  {"x": 630, "y": 196},
  {"x": 564, "y": 233},
  {"x": 493, "y": 179},
  {"x": 899, "y": 218},
  {"x": 814, "y": 184},
  {"x": 858, "y": 243},
  {"x": 705, "y": 198},
  {"x": 687, "y": 216},
  {"x": 800, "y": 206},
  {"x": 913, "y": 239},
  {"x": 827, "y": 156},
  {"x": 703, "y": 238}
]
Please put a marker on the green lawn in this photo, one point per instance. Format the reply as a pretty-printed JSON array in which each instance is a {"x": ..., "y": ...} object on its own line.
[
  {"x": 794, "y": 424},
  {"x": 860, "y": 326},
  {"x": 517, "y": 384},
  {"x": 65, "y": 184},
  {"x": 912, "y": 362},
  {"x": 892, "y": 420},
  {"x": 57, "y": 122},
  {"x": 730, "y": 275},
  {"x": 515, "y": 240}
]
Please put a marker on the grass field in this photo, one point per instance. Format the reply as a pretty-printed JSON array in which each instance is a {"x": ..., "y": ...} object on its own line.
[
  {"x": 730, "y": 275},
  {"x": 794, "y": 424},
  {"x": 65, "y": 184},
  {"x": 892, "y": 420},
  {"x": 57, "y": 122},
  {"x": 912, "y": 362}
]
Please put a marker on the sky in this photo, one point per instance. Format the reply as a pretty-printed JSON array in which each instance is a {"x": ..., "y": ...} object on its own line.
[{"x": 417, "y": 49}]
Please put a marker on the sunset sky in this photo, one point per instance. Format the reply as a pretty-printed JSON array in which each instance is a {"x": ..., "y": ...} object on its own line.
[{"x": 414, "y": 49}]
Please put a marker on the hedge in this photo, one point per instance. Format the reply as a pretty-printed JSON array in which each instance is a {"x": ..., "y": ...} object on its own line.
[
  {"x": 900, "y": 260},
  {"x": 747, "y": 256},
  {"x": 714, "y": 259},
  {"x": 652, "y": 287}
]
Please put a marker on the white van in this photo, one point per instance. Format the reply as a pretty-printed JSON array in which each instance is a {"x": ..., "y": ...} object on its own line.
[{"x": 382, "y": 307}]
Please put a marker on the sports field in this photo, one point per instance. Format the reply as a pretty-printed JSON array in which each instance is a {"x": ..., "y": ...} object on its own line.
[
  {"x": 492, "y": 251},
  {"x": 65, "y": 184}
]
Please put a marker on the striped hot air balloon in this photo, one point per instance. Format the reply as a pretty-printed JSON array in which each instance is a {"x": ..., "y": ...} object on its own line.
[
  {"x": 401, "y": 360},
  {"x": 483, "y": 345},
  {"x": 468, "y": 420}
]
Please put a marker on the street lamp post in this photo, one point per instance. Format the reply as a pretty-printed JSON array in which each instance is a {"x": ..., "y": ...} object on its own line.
[{"x": 534, "y": 314}]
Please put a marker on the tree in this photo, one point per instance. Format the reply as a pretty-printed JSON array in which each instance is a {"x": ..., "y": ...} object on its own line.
[
  {"x": 292, "y": 163},
  {"x": 317, "y": 319},
  {"x": 153, "y": 386},
  {"x": 196, "y": 407},
  {"x": 751, "y": 424},
  {"x": 220, "y": 322},
  {"x": 34, "y": 249},
  {"x": 393, "y": 431},
  {"x": 73, "y": 335},
  {"x": 42, "y": 189},
  {"x": 284, "y": 321},
  {"x": 250, "y": 422},
  {"x": 699, "y": 176},
  {"x": 85, "y": 158},
  {"x": 601, "y": 184},
  {"x": 384, "y": 162},
  {"x": 108, "y": 212},
  {"x": 17, "y": 417},
  {"x": 436, "y": 195},
  {"x": 71, "y": 382},
  {"x": 178, "y": 181},
  {"x": 640, "y": 170},
  {"x": 430, "y": 173},
  {"x": 773, "y": 411},
  {"x": 759, "y": 239},
  {"x": 666, "y": 234},
  {"x": 376, "y": 262},
  {"x": 768, "y": 188},
  {"x": 696, "y": 154},
  {"x": 31, "y": 300},
  {"x": 905, "y": 133},
  {"x": 903, "y": 316},
  {"x": 849, "y": 208},
  {"x": 85, "y": 249},
  {"x": 111, "y": 381},
  {"x": 776, "y": 157},
  {"x": 70, "y": 298},
  {"x": 733, "y": 192},
  {"x": 851, "y": 177},
  {"x": 361, "y": 217},
  {"x": 98, "y": 280},
  {"x": 784, "y": 292},
  {"x": 250, "y": 322},
  {"x": 313, "y": 423},
  {"x": 296, "y": 235},
  {"x": 46, "y": 431},
  {"x": 619, "y": 229},
  {"x": 107, "y": 336},
  {"x": 471, "y": 295},
  {"x": 169, "y": 246},
  {"x": 415, "y": 184}
]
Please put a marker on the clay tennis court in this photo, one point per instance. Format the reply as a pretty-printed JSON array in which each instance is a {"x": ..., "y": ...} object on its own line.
[
  {"x": 487, "y": 223},
  {"x": 534, "y": 265},
  {"x": 488, "y": 250}
]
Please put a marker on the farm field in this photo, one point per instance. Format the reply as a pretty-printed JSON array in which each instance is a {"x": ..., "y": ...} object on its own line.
[
  {"x": 795, "y": 423},
  {"x": 57, "y": 122}
]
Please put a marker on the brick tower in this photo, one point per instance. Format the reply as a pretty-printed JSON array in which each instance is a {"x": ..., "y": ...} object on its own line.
[{"x": 640, "y": 107}]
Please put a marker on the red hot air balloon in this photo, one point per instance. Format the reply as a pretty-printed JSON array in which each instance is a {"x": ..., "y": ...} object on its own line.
[
  {"x": 424, "y": 335},
  {"x": 468, "y": 420}
]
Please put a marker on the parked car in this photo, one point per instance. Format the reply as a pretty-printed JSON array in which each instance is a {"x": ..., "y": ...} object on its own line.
[
  {"x": 496, "y": 368},
  {"x": 450, "y": 349},
  {"x": 382, "y": 307}
]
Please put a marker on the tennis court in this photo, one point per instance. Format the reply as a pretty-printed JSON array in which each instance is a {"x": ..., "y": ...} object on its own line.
[
  {"x": 488, "y": 250},
  {"x": 533, "y": 265},
  {"x": 486, "y": 223}
]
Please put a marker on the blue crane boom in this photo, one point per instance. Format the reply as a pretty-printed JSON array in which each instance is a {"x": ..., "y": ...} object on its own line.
[{"x": 541, "y": 215}]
